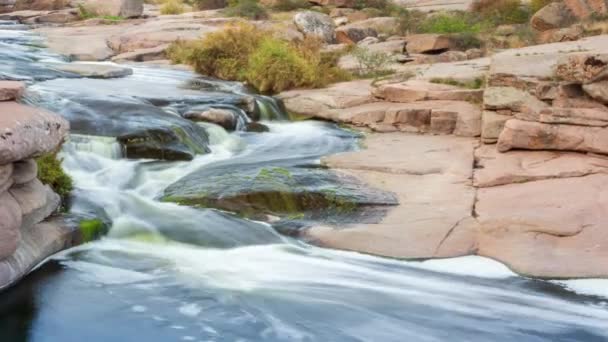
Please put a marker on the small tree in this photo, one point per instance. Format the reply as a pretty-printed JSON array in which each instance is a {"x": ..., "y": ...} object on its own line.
[{"x": 371, "y": 63}]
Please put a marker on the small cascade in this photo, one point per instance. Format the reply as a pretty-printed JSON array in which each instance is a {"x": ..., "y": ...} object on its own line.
[
  {"x": 269, "y": 108},
  {"x": 107, "y": 147}
]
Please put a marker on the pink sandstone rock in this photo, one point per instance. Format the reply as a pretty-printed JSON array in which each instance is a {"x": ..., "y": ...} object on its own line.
[{"x": 11, "y": 90}]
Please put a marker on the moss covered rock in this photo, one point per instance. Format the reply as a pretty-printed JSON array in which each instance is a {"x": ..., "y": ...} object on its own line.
[{"x": 51, "y": 173}]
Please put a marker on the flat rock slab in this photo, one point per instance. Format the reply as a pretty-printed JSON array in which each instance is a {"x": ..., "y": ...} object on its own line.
[
  {"x": 552, "y": 228},
  {"x": 11, "y": 90},
  {"x": 27, "y": 132},
  {"x": 495, "y": 168},
  {"x": 431, "y": 177},
  {"x": 421, "y": 90},
  {"x": 94, "y": 70}
]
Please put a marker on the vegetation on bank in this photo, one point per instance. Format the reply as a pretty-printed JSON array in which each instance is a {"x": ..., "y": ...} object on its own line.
[
  {"x": 248, "y": 54},
  {"x": 51, "y": 172}
]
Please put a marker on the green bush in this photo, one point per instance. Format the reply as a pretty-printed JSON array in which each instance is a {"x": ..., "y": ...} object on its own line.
[
  {"x": 249, "y": 9},
  {"x": 372, "y": 63},
  {"x": 172, "y": 7},
  {"x": 457, "y": 22},
  {"x": 248, "y": 54},
  {"x": 51, "y": 172},
  {"x": 290, "y": 5},
  {"x": 536, "y": 5},
  {"x": 208, "y": 4},
  {"x": 500, "y": 12}
]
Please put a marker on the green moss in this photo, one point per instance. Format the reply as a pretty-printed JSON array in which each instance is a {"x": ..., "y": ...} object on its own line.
[
  {"x": 91, "y": 229},
  {"x": 51, "y": 172}
]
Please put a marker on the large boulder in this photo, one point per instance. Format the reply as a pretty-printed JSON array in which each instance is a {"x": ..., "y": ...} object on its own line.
[
  {"x": 10, "y": 223},
  {"x": 598, "y": 91},
  {"x": 219, "y": 116},
  {"x": 10, "y": 90},
  {"x": 121, "y": 8},
  {"x": 429, "y": 43},
  {"x": 585, "y": 8},
  {"x": 353, "y": 35},
  {"x": 315, "y": 24},
  {"x": 553, "y": 16},
  {"x": 582, "y": 67}
]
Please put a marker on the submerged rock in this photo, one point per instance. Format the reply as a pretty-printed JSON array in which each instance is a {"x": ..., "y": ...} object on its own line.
[
  {"x": 94, "y": 70},
  {"x": 277, "y": 191}
]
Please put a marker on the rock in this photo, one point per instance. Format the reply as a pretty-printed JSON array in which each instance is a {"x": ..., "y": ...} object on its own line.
[
  {"x": 474, "y": 53},
  {"x": 420, "y": 90},
  {"x": 468, "y": 123},
  {"x": 567, "y": 34},
  {"x": 94, "y": 70},
  {"x": 353, "y": 35},
  {"x": 316, "y": 24},
  {"x": 256, "y": 127},
  {"x": 340, "y": 21},
  {"x": 22, "y": 16},
  {"x": 429, "y": 43},
  {"x": 509, "y": 98},
  {"x": 492, "y": 125},
  {"x": 58, "y": 17},
  {"x": 37, "y": 201},
  {"x": 513, "y": 167},
  {"x": 430, "y": 176},
  {"x": 143, "y": 55},
  {"x": 582, "y": 67},
  {"x": 27, "y": 132},
  {"x": 575, "y": 116},
  {"x": 10, "y": 224},
  {"x": 379, "y": 25},
  {"x": 120, "y": 8},
  {"x": 598, "y": 91},
  {"x": 520, "y": 134},
  {"x": 368, "y": 41},
  {"x": 25, "y": 171},
  {"x": 223, "y": 117},
  {"x": 40, "y": 5},
  {"x": 335, "y": 3},
  {"x": 275, "y": 191},
  {"x": 437, "y": 5},
  {"x": 583, "y": 9},
  {"x": 340, "y": 12},
  {"x": 6, "y": 177},
  {"x": 11, "y": 90},
  {"x": 539, "y": 230},
  {"x": 553, "y": 16}
]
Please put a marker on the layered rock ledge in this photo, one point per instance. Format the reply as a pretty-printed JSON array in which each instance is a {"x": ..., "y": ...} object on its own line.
[{"x": 27, "y": 234}]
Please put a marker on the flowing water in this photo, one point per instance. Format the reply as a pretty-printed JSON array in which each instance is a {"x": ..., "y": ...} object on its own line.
[{"x": 167, "y": 272}]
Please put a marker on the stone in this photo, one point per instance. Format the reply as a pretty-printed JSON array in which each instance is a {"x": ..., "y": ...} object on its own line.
[
  {"x": 94, "y": 70},
  {"x": 583, "y": 9},
  {"x": 368, "y": 41},
  {"x": 598, "y": 91},
  {"x": 553, "y": 16},
  {"x": 519, "y": 134},
  {"x": 497, "y": 98},
  {"x": 27, "y": 132},
  {"x": 340, "y": 12},
  {"x": 24, "y": 171},
  {"x": 575, "y": 116},
  {"x": 431, "y": 177},
  {"x": 443, "y": 122},
  {"x": 6, "y": 177},
  {"x": 552, "y": 228},
  {"x": 335, "y": 3},
  {"x": 119, "y": 8},
  {"x": 316, "y": 24},
  {"x": 492, "y": 125},
  {"x": 429, "y": 43},
  {"x": 10, "y": 224},
  {"x": 40, "y": 5},
  {"x": 340, "y": 21},
  {"x": 566, "y": 34},
  {"x": 420, "y": 90},
  {"x": 582, "y": 68},
  {"x": 514, "y": 167},
  {"x": 353, "y": 35},
  {"x": 37, "y": 201},
  {"x": 58, "y": 17},
  {"x": 436, "y": 5},
  {"x": 223, "y": 117},
  {"x": 143, "y": 55},
  {"x": 468, "y": 123},
  {"x": 11, "y": 90}
]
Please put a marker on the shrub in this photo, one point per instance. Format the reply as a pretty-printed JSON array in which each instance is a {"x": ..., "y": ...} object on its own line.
[
  {"x": 51, "y": 172},
  {"x": 466, "y": 40},
  {"x": 457, "y": 22},
  {"x": 536, "y": 5},
  {"x": 290, "y": 5},
  {"x": 371, "y": 64},
  {"x": 500, "y": 12},
  {"x": 249, "y": 9},
  {"x": 172, "y": 7},
  {"x": 208, "y": 4},
  {"x": 245, "y": 53}
]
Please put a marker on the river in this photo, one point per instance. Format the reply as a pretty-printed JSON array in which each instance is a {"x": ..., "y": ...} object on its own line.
[{"x": 166, "y": 272}]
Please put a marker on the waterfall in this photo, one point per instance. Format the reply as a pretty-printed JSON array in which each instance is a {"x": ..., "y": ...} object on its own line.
[
  {"x": 269, "y": 108},
  {"x": 107, "y": 147}
]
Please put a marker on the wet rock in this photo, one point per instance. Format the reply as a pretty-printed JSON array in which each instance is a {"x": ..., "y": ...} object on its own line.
[
  {"x": 94, "y": 70},
  {"x": 316, "y": 24},
  {"x": 256, "y": 127},
  {"x": 24, "y": 171},
  {"x": 520, "y": 134},
  {"x": 276, "y": 191},
  {"x": 10, "y": 223},
  {"x": 554, "y": 15},
  {"x": 28, "y": 132},
  {"x": 11, "y": 90},
  {"x": 223, "y": 117}
]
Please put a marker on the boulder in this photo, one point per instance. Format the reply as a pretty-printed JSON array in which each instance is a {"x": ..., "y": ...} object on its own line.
[
  {"x": 11, "y": 90},
  {"x": 94, "y": 70},
  {"x": 222, "y": 117},
  {"x": 553, "y": 16},
  {"x": 582, "y": 67},
  {"x": 143, "y": 55},
  {"x": 598, "y": 91},
  {"x": 316, "y": 24},
  {"x": 37, "y": 201},
  {"x": 40, "y": 5},
  {"x": 119, "y": 8},
  {"x": 575, "y": 116},
  {"x": 519, "y": 134},
  {"x": 25, "y": 171},
  {"x": 420, "y": 90},
  {"x": 429, "y": 43},
  {"x": 583, "y": 9},
  {"x": 58, "y": 17},
  {"x": 353, "y": 35},
  {"x": 509, "y": 98},
  {"x": 380, "y": 25},
  {"x": 28, "y": 132},
  {"x": 492, "y": 125},
  {"x": 6, "y": 177},
  {"x": 10, "y": 224},
  {"x": 567, "y": 34}
]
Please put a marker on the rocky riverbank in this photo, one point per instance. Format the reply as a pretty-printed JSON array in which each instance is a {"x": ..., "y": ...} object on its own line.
[{"x": 27, "y": 232}]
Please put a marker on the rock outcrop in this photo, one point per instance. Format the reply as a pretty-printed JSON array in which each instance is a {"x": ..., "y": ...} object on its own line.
[
  {"x": 26, "y": 238},
  {"x": 315, "y": 24}
]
